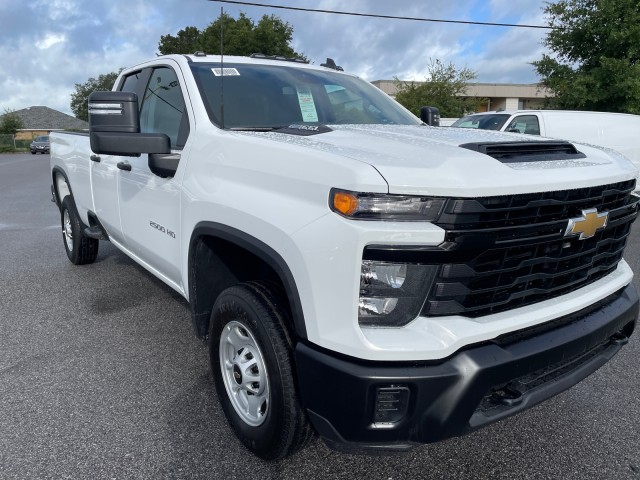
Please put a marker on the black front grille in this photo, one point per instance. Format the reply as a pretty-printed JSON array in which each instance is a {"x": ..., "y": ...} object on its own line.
[
  {"x": 510, "y": 251},
  {"x": 532, "y": 208}
]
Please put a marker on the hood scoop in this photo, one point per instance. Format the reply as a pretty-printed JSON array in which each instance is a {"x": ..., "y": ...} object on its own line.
[{"x": 522, "y": 152}]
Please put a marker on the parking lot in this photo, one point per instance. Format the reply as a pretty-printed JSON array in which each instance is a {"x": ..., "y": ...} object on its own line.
[{"x": 101, "y": 377}]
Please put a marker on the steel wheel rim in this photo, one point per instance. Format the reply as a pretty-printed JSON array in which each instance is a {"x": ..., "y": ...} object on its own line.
[
  {"x": 244, "y": 373},
  {"x": 67, "y": 232}
]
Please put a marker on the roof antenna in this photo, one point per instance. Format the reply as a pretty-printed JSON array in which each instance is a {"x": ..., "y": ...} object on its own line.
[{"x": 222, "y": 67}]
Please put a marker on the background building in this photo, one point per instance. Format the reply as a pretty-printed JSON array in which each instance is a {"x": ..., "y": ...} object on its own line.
[
  {"x": 499, "y": 96},
  {"x": 40, "y": 120}
]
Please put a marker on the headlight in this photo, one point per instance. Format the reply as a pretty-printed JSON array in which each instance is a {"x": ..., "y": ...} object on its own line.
[
  {"x": 392, "y": 294},
  {"x": 374, "y": 206}
]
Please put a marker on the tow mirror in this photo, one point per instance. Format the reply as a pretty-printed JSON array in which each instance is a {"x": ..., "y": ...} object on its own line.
[
  {"x": 114, "y": 126},
  {"x": 430, "y": 116}
]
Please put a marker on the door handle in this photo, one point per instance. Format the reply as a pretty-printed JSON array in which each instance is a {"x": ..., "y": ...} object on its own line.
[
  {"x": 124, "y": 166},
  {"x": 95, "y": 158}
]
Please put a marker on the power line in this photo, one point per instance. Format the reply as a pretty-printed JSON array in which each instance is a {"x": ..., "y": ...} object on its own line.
[{"x": 390, "y": 17}]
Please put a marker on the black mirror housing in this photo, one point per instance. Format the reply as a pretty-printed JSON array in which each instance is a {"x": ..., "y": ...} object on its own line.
[
  {"x": 430, "y": 116},
  {"x": 129, "y": 144},
  {"x": 114, "y": 112},
  {"x": 114, "y": 126}
]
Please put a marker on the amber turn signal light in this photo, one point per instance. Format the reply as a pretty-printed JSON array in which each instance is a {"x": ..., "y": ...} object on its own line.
[{"x": 345, "y": 203}]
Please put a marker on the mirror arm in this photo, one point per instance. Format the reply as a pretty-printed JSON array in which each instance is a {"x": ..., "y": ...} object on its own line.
[{"x": 164, "y": 164}]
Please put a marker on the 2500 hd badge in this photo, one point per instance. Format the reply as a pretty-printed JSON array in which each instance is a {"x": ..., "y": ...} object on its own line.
[{"x": 159, "y": 227}]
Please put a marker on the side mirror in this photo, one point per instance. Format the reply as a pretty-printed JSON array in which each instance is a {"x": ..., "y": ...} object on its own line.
[
  {"x": 430, "y": 116},
  {"x": 114, "y": 126},
  {"x": 114, "y": 112}
]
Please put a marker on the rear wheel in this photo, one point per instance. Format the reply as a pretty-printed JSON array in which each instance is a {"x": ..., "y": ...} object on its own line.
[
  {"x": 80, "y": 249},
  {"x": 251, "y": 361}
]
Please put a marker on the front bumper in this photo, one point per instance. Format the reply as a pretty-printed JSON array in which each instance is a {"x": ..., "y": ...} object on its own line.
[{"x": 356, "y": 405}]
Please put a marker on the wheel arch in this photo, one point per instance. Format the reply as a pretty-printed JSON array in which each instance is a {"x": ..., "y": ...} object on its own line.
[
  {"x": 234, "y": 256},
  {"x": 61, "y": 186}
]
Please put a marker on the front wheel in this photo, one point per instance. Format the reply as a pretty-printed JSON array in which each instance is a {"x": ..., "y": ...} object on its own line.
[
  {"x": 251, "y": 362},
  {"x": 80, "y": 249}
]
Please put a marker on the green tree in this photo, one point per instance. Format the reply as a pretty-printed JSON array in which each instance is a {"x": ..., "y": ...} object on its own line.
[
  {"x": 270, "y": 36},
  {"x": 186, "y": 41},
  {"x": 445, "y": 87},
  {"x": 10, "y": 123},
  {"x": 80, "y": 98},
  {"x": 596, "y": 55}
]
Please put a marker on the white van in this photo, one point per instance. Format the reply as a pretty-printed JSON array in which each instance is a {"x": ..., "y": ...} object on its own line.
[{"x": 618, "y": 131}]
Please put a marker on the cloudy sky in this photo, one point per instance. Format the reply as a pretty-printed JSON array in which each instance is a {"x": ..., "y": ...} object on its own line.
[{"x": 47, "y": 46}]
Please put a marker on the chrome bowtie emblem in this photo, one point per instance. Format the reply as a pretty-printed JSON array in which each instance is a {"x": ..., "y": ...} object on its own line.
[{"x": 588, "y": 224}]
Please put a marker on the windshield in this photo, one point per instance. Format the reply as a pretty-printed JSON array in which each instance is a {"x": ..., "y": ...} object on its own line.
[
  {"x": 267, "y": 96},
  {"x": 483, "y": 122},
  {"x": 43, "y": 138}
]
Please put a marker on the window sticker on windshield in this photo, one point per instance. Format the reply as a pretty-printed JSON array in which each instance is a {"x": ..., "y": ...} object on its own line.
[
  {"x": 228, "y": 72},
  {"x": 307, "y": 106}
]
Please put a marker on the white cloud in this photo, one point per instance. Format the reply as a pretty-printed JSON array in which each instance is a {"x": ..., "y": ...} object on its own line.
[
  {"x": 78, "y": 39},
  {"x": 49, "y": 40}
]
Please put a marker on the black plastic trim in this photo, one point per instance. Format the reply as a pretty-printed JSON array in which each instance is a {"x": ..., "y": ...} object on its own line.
[
  {"x": 261, "y": 250},
  {"x": 95, "y": 228},
  {"x": 531, "y": 151},
  {"x": 129, "y": 144},
  {"x": 446, "y": 397},
  {"x": 54, "y": 171},
  {"x": 164, "y": 165}
]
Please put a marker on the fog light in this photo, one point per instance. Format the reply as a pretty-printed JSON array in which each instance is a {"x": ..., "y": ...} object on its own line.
[
  {"x": 371, "y": 307},
  {"x": 392, "y": 403},
  {"x": 389, "y": 274}
]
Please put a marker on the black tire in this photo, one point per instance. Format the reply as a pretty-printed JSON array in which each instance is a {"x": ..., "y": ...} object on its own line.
[
  {"x": 80, "y": 249},
  {"x": 33, "y": 153},
  {"x": 279, "y": 427}
]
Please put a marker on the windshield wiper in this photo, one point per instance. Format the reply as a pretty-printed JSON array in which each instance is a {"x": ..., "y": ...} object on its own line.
[
  {"x": 292, "y": 129},
  {"x": 256, "y": 129}
]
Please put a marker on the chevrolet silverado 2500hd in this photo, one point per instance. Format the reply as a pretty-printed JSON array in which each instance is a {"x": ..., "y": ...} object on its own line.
[{"x": 356, "y": 273}]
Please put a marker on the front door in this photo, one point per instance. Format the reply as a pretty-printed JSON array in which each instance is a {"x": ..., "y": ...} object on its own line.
[{"x": 149, "y": 204}]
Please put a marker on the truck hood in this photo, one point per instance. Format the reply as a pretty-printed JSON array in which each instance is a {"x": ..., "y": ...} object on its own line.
[{"x": 429, "y": 160}]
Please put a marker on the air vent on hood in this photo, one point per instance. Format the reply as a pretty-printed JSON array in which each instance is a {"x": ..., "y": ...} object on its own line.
[{"x": 518, "y": 152}]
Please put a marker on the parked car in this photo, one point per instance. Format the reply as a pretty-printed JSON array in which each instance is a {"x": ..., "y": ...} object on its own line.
[
  {"x": 618, "y": 131},
  {"x": 40, "y": 144}
]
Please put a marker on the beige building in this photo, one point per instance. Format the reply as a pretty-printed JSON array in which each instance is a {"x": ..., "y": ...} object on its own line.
[{"x": 499, "y": 96}]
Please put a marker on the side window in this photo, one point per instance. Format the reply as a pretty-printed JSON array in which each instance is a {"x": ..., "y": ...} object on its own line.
[
  {"x": 526, "y": 124},
  {"x": 130, "y": 83},
  {"x": 163, "y": 108}
]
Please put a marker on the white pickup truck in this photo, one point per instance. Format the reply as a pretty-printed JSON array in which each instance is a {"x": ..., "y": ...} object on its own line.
[{"x": 356, "y": 273}]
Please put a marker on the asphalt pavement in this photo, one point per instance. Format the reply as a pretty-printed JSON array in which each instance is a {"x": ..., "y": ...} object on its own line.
[{"x": 101, "y": 377}]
